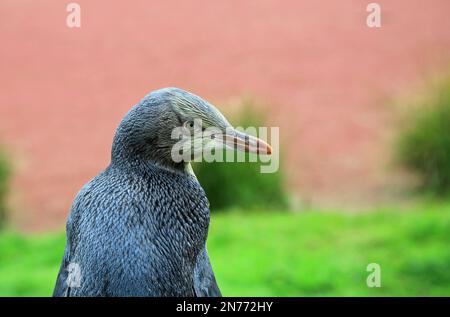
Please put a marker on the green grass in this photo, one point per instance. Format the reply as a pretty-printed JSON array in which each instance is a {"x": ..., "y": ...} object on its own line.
[{"x": 284, "y": 254}]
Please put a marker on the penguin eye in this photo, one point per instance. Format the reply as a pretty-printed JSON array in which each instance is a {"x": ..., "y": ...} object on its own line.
[{"x": 189, "y": 124}]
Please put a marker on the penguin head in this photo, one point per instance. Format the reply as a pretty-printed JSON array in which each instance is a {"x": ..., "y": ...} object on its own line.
[{"x": 171, "y": 127}]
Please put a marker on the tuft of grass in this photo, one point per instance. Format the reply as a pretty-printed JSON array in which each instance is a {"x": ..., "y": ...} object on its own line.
[
  {"x": 314, "y": 253},
  {"x": 424, "y": 144}
]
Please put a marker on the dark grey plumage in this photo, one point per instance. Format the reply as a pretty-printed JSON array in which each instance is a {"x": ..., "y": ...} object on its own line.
[{"x": 139, "y": 228}]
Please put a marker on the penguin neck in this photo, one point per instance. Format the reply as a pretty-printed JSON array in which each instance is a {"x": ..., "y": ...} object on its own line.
[{"x": 128, "y": 151}]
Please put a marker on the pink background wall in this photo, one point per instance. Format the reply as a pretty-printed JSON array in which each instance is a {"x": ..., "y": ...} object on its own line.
[{"x": 324, "y": 77}]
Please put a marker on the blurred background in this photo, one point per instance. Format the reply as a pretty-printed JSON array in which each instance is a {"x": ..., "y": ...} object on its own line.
[{"x": 364, "y": 117}]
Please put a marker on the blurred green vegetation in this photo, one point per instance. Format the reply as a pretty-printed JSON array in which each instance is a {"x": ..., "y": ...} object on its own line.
[
  {"x": 424, "y": 145},
  {"x": 5, "y": 174},
  {"x": 285, "y": 254},
  {"x": 238, "y": 184}
]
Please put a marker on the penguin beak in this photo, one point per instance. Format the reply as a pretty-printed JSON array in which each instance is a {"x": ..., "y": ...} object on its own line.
[{"x": 236, "y": 140}]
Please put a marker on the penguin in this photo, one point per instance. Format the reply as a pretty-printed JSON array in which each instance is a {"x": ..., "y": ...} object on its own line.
[{"x": 139, "y": 228}]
